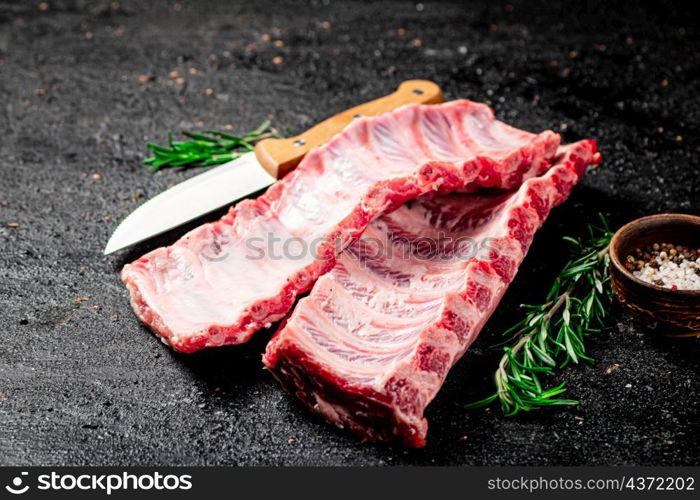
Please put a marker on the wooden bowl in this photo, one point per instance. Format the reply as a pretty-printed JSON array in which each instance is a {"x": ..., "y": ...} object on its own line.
[{"x": 665, "y": 311}]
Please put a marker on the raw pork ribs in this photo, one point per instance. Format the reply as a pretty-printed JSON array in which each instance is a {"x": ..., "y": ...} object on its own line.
[
  {"x": 219, "y": 283},
  {"x": 415, "y": 221},
  {"x": 371, "y": 345}
]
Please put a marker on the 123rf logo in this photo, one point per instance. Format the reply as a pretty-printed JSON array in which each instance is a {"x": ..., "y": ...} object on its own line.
[{"x": 106, "y": 483}]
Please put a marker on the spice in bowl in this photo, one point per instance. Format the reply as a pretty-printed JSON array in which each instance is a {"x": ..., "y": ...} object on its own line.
[{"x": 671, "y": 266}]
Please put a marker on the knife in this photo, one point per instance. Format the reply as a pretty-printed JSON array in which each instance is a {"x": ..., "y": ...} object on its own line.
[{"x": 272, "y": 160}]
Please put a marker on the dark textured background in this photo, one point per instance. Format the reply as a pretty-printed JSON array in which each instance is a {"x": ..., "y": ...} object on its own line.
[{"x": 84, "y": 85}]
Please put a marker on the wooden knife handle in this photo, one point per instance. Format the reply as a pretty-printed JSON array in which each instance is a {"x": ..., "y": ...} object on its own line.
[{"x": 281, "y": 156}]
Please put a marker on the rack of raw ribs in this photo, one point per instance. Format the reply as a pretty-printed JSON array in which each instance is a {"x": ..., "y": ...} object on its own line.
[{"x": 405, "y": 230}]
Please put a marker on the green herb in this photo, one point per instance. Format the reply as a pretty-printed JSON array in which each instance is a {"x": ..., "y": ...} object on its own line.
[
  {"x": 206, "y": 148},
  {"x": 552, "y": 334}
]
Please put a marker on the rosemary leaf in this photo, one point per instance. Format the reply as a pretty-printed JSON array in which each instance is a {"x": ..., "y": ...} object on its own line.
[
  {"x": 553, "y": 334},
  {"x": 206, "y": 148}
]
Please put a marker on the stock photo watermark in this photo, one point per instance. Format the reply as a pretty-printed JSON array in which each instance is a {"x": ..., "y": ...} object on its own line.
[{"x": 441, "y": 247}]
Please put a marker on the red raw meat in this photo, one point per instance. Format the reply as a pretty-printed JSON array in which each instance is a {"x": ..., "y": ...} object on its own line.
[
  {"x": 371, "y": 345},
  {"x": 212, "y": 287}
]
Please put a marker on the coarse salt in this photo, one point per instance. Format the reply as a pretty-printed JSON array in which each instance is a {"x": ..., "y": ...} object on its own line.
[{"x": 681, "y": 276}]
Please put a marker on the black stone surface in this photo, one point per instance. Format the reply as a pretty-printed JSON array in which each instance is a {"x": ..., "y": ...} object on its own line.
[{"x": 82, "y": 382}]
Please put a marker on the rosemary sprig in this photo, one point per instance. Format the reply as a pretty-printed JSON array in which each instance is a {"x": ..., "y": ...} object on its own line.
[
  {"x": 552, "y": 334},
  {"x": 206, "y": 148}
]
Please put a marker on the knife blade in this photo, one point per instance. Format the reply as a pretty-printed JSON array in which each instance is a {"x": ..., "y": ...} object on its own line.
[
  {"x": 190, "y": 199},
  {"x": 272, "y": 159}
]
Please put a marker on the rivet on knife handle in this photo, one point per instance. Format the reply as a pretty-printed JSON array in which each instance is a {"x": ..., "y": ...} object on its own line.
[{"x": 280, "y": 156}]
